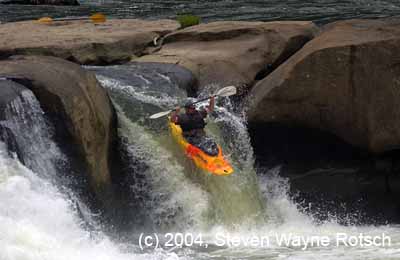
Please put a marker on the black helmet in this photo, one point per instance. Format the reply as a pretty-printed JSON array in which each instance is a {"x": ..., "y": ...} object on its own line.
[{"x": 189, "y": 104}]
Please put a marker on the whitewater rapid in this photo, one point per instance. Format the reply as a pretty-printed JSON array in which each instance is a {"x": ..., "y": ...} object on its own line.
[
  {"x": 281, "y": 216},
  {"x": 37, "y": 220},
  {"x": 40, "y": 220}
]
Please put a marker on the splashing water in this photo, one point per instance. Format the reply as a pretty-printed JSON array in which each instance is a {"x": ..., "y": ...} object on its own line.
[
  {"x": 174, "y": 201},
  {"x": 284, "y": 222},
  {"x": 231, "y": 200},
  {"x": 39, "y": 221},
  {"x": 25, "y": 125}
]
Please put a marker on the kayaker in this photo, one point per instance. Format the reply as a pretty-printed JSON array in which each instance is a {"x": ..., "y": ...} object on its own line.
[{"x": 192, "y": 121}]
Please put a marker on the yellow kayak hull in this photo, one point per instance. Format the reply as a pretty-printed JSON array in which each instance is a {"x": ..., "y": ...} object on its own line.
[{"x": 216, "y": 165}]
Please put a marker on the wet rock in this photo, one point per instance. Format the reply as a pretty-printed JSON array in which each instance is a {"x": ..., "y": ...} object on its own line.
[
  {"x": 40, "y": 2},
  {"x": 178, "y": 75},
  {"x": 233, "y": 52},
  {"x": 9, "y": 91},
  {"x": 115, "y": 41},
  {"x": 346, "y": 82},
  {"x": 79, "y": 107},
  {"x": 163, "y": 76}
]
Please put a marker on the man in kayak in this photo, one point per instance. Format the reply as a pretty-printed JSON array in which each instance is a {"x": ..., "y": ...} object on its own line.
[{"x": 192, "y": 123}]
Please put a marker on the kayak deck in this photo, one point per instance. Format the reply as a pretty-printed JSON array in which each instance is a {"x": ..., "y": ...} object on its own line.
[{"x": 216, "y": 165}]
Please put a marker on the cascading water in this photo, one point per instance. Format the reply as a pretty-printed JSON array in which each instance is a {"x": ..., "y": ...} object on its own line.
[
  {"x": 192, "y": 203},
  {"x": 174, "y": 201},
  {"x": 38, "y": 220},
  {"x": 24, "y": 124},
  {"x": 208, "y": 199}
]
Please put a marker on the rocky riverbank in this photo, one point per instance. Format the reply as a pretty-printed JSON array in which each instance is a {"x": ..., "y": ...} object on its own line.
[
  {"x": 233, "y": 53},
  {"x": 346, "y": 81},
  {"x": 82, "y": 42}
]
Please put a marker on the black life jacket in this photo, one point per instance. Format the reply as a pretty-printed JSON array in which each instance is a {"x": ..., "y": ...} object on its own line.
[{"x": 189, "y": 122}]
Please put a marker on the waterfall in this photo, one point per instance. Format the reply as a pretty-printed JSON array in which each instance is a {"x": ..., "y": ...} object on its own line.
[
  {"x": 204, "y": 199},
  {"x": 40, "y": 219},
  {"x": 26, "y": 128}
]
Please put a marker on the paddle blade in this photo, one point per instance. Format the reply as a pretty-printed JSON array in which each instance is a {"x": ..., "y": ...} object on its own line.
[
  {"x": 45, "y": 20},
  {"x": 98, "y": 18},
  {"x": 227, "y": 91},
  {"x": 160, "y": 114}
]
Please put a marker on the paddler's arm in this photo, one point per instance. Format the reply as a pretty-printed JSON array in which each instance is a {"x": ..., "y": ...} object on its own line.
[
  {"x": 174, "y": 115},
  {"x": 210, "y": 107}
]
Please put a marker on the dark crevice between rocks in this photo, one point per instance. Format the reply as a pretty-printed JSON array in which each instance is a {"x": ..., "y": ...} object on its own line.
[
  {"x": 294, "y": 45},
  {"x": 328, "y": 177},
  {"x": 291, "y": 49},
  {"x": 154, "y": 46},
  {"x": 138, "y": 51},
  {"x": 5, "y": 55},
  {"x": 210, "y": 36}
]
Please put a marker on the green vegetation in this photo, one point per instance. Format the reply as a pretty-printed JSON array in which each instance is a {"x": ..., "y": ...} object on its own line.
[{"x": 187, "y": 20}]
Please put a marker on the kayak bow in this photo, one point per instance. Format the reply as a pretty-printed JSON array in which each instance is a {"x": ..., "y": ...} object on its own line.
[{"x": 216, "y": 165}]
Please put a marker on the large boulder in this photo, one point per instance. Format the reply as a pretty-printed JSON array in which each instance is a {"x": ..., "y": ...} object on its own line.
[
  {"x": 233, "y": 52},
  {"x": 346, "y": 81},
  {"x": 83, "y": 42},
  {"x": 80, "y": 108}
]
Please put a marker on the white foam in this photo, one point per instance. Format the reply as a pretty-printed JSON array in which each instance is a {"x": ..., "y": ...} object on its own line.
[
  {"x": 142, "y": 95},
  {"x": 172, "y": 193},
  {"x": 38, "y": 223}
]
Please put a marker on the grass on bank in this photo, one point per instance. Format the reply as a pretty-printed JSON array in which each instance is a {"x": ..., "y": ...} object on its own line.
[{"x": 187, "y": 20}]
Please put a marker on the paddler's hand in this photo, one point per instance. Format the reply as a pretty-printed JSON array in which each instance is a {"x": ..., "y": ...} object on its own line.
[{"x": 174, "y": 115}]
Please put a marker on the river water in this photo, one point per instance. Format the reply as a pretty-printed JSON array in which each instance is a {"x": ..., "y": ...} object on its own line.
[{"x": 320, "y": 11}]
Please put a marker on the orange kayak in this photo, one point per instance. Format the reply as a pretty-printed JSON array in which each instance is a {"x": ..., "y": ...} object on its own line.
[{"x": 216, "y": 165}]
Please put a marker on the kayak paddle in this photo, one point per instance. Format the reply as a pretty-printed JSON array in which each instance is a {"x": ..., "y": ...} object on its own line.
[
  {"x": 223, "y": 92},
  {"x": 96, "y": 18}
]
